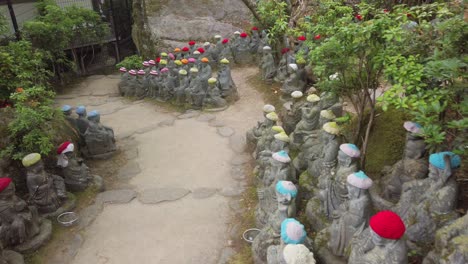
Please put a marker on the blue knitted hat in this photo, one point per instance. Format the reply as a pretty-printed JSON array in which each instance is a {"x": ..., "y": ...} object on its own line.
[
  {"x": 292, "y": 231},
  {"x": 80, "y": 110},
  {"x": 437, "y": 159},
  {"x": 93, "y": 113},
  {"x": 286, "y": 187},
  {"x": 66, "y": 108}
]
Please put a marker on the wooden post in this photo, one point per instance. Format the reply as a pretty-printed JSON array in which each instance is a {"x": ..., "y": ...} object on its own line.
[{"x": 13, "y": 19}]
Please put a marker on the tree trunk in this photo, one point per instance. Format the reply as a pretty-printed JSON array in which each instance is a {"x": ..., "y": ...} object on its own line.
[
  {"x": 368, "y": 129},
  {"x": 252, "y": 9}
]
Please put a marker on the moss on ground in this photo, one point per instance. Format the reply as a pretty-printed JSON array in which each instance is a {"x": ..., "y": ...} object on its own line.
[{"x": 386, "y": 142}]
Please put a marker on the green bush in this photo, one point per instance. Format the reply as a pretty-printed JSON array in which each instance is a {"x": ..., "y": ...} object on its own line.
[
  {"x": 131, "y": 62},
  {"x": 31, "y": 130}
]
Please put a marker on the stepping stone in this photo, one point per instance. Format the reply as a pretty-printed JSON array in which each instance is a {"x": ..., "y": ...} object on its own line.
[
  {"x": 157, "y": 195},
  {"x": 238, "y": 143},
  {"x": 188, "y": 115},
  {"x": 238, "y": 173},
  {"x": 129, "y": 170},
  {"x": 231, "y": 191},
  {"x": 216, "y": 123},
  {"x": 116, "y": 196},
  {"x": 226, "y": 255},
  {"x": 167, "y": 122},
  {"x": 89, "y": 214},
  {"x": 225, "y": 131},
  {"x": 206, "y": 117},
  {"x": 202, "y": 193},
  {"x": 240, "y": 159}
]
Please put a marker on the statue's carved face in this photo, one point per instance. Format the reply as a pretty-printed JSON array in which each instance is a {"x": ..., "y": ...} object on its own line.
[
  {"x": 434, "y": 173},
  {"x": 343, "y": 159},
  {"x": 38, "y": 167},
  {"x": 353, "y": 191}
]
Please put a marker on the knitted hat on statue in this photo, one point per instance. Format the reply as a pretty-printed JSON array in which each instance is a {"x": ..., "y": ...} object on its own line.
[
  {"x": 437, "y": 160},
  {"x": 281, "y": 156},
  {"x": 298, "y": 254},
  {"x": 286, "y": 187},
  {"x": 327, "y": 114},
  {"x": 66, "y": 108},
  {"x": 192, "y": 60},
  {"x": 80, "y": 110},
  {"x": 268, "y": 108},
  {"x": 183, "y": 72},
  {"x": 412, "y": 127},
  {"x": 132, "y": 72},
  {"x": 313, "y": 98},
  {"x": 243, "y": 35},
  {"x": 278, "y": 129},
  {"x": 65, "y": 147},
  {"x": 296, "y": 94},
  {"x": 387, "y": 224},
  {"x": 351, "y": 150},
  {"x": 292, "y": 231},
  {"x": 282, "y": 136},
  {"x": 141, "y": 72},
  {"x": 31, "y": 159},
  {"x": 123, "y": 69},
  {"x": 272, "y": 116},
  {"x": 4, "y": 183},
  {"x": 332, "y": 128},
  {"x": 302, "y": 38},
  {"x": 153, "y": 72},
  {"x": 359, "y": 179},
  {"x": 212, "y": 80}
]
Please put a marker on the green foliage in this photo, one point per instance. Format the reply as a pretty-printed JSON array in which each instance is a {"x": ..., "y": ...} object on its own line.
[
  {"x": 274, "y": 14},
  {"x": 131, "y": 62},
  {"x": 21, "y": 66},
  {"x": 3, "y": 25},
  {"x": 31, "y": 131}
]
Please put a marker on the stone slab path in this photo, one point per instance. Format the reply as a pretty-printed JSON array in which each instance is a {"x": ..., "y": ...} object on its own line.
[{"x": 182, "y": 174}]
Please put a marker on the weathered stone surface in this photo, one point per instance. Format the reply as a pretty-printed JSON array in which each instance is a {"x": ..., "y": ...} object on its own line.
[
  {"x": 240, "y": 159},
  {"x": 231, "y": 191},
  {"x": 202, "y": 193},
  {"x": 235, "y": 206},
  {"x": 217, "y": 123},
  {"x": 125, "y": 135},
  {"x": 147, "y": 129},
  {"x": 206, "y": 117},
  {"x": 226, "y": 254},
  {"x": 197, "y": 20},
  {"x": 129, "y": 170},
  {"x": 131, "y": 153},
  {"x": 69, "y": 250},
  {"x": 88, "y": 214},
  {"x": 167, "y": 122},
  {"x": 225, "y": 131},
  {"x": 39, "y": 240},
  {"x": 157, "y": 195},
  {"x": 189, "y": 114},
  {"x": 116, "y": 196},
  {"x": 238, "y": 143},
  {"x": 238, "y": 173},
  {"x": 12, "y": 257}
]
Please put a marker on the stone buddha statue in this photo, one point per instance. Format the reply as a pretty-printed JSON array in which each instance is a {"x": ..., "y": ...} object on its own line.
[
  {"x": 235, "y": 43},
  {"x": 212, "y": 98},
  {"x": 382, "y": 242},
  {"x": 276, "y": 203},
  {"x": 293, "y": 82},
  {"x": 451, "y": 244},
  {"x": 218, "y": 48},
  {"x": 352, "y": 215},
  {"x": 153, "y": 91},
  {"x": 292, "y": 233},
  {"x": 279, "y": 169},
  {"x": 309, "y": 120},
  {"x": 18, "y": 221},
  {"x": 413, "y": 166},
  {"x": 196, "y": 56},
  {"x": 132, "y": 83},
  {"x": 10, "y": 257},
  {"x": 331, "y": 101},
  {"x": 264, "y": 41},
  {"x": 141, "y": 87},
  {"x": 264, "y": 141},
  {"x": 255, "y": 41},
  {"x": 123, "y": 84},
  {"x": 428, "y": 204},
  {"x": 267, "y": 65},
  {"x": 263, "y": 158},
  {"x": 294, "y": 113},
  {"x": 74, "y": 171},
  {"x": 226, "y": 51},
  {"x": 67, "y": 112},
  {"x": 280, "y": 142},
  {"x": 184, "y": 83},
  {"x": 47, "y": 192},
  {"x": 243, "y": 55},
  {"x": 226, "y": 83},
  {"x": 81, "y": 122},
  {"x": 195, "y": 92},
  {"x": 282, "y": 71},
  {"x": 334, "y": 191},
  {"x": 166, "y": 85},
  {"x": 254, "y": 134},
  {"x": 100, "y": 141},
  {"x": 205, "y": 69},
  {"x": 331, "y": 144},
  {"x": 209, "y": 53}
]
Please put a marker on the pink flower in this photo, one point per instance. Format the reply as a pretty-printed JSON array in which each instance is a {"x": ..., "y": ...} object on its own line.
[{"x": 358, "y": 17}]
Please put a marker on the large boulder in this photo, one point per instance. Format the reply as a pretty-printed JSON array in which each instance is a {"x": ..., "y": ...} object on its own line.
[{"x": 182, "y": 20}]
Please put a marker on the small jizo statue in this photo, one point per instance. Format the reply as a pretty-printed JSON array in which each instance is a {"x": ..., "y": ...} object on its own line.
[
  {"x": 99, "y": 138},
  {"x": 309, "y": 120},
  {"x": 254, "y": 134},
  {"x": 292, "y": 233},
  {"x": 47, "y": 192},
  {"x": 353, "y": 214},
  {"x": 381, "y": 243},
  {"x": 297, "y": 254},
  {"x": 279, "y": 169},
  {"x": 19, "y": 222},
  {"x": 75, "y": 172},
  {"x": 267, "y": 65}
]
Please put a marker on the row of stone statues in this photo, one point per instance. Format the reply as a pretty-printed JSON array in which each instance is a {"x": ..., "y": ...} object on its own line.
[
  {"x": 97, "y": 141},
  {"x": 413, "y": 199},
  {"x": 24, "y": 226},
  {"x": 184, "y": 78}
]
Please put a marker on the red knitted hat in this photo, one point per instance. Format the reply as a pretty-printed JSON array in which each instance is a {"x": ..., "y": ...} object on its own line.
[
  {"x": 158, "y": 60},
  {"x": 225, "y": 41},
  {"x": 243, "y": 35},
  {"x": 185, "y": 49},
  {"x": 254, "y": 28},
  {"x": 284, "y": 50},
  {"x": 387, "y": 224},
  {"x": 201, "y": 50},
  {"x": 301, "y": 38},
  {"x": 63, "y": 146},
  {"x": 191, "y": 43},
  {"x": 4, "y": 182},
  {"x": 317, "y": 37}
]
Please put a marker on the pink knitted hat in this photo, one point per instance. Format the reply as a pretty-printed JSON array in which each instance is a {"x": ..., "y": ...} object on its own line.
[
  {"x": 350, "y": 150},
  {"x": 153, "y": 72},
  {"x": 146, "y": 64},
  {"x": 132, "y": 72},
  {"x": 359, "y": 179},
  {"x": 192, "y": 60},
  {"x": 152, "y": 62},
  {"x": 141, "y": 72},
  {"x": 122, "y": 69},
  {"x": 164, "y": 70}
]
